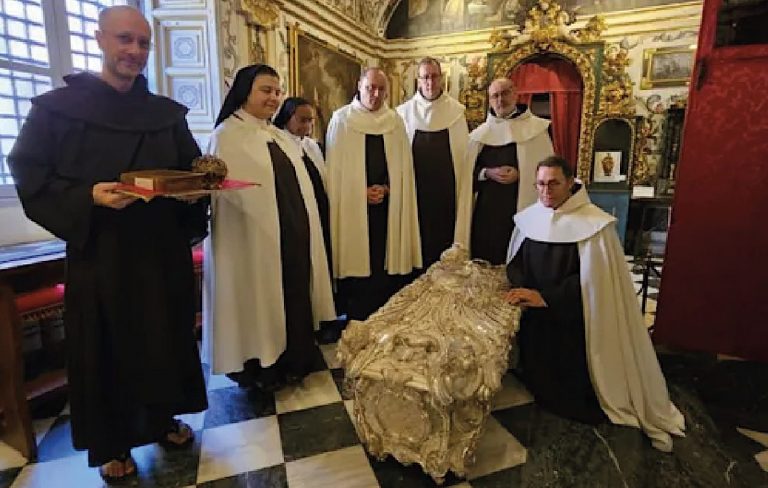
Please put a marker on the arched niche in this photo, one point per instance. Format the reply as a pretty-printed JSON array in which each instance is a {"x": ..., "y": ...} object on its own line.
[
  {"x": 559, "y": 80},
  {"x": 502, "y": 65},
  {"x": 613, "y": 151}
]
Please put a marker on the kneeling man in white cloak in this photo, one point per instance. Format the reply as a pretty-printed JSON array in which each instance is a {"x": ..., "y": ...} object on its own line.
[{"x": 585, "y": 352}]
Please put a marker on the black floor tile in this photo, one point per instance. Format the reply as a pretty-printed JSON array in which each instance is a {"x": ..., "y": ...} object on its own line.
[
  {"x": 7, "y": 476},
  {"x": 506, "y": 478},
  {"x": 391, "y": 474},
  {"x": 235, "y": 404},
  {"x": 161, "y": 468},
  {"x": 272, "y": 477},
  {"x": 316, "y": 430}
]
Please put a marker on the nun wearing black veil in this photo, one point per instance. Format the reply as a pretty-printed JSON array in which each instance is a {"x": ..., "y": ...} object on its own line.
[{"x": 267, "y": 283}]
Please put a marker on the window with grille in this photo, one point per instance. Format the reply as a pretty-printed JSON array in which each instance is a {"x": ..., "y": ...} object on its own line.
[{"x": 40, "y": 42}]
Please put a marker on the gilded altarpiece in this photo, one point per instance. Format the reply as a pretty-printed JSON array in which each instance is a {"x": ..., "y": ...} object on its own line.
[{"x": 607, "y": 88}]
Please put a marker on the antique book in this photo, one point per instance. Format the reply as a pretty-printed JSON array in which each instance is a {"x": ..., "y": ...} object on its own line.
[{"x": 164, "y": 180}]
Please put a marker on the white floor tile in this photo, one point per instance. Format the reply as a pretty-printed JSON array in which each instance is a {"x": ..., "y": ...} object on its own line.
[
  {"x": 496, "y": 450},
  {"x": 217, "y": 381},
  {"x": 329, "y": 354},
  {"x": 348, "y": 468},
  {"x": 317, "y": 389},
  {"x": 237, "y": 448},
  {"x": 512, "y": 394},
  {"x": 194, "y": 420},
  {"x": 10, "y": 457},
  {"x": 68, "y": 472},
  {"x": 41, "y": 427}
]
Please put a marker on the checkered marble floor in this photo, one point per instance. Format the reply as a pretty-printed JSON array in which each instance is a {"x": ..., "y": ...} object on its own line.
[{"x": 299, "y": 437}]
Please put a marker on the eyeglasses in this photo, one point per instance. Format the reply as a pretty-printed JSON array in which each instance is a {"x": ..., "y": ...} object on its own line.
[
  {"x": 127, "y": 39},
  {"x": 541, "y": 185},
  {"x": 430, "y": 77}
]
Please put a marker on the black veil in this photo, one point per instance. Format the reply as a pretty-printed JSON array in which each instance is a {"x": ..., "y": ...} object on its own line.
[{"x": 241, "y": 88}]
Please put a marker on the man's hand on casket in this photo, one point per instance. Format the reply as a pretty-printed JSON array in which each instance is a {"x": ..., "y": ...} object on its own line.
[{"x": 524, "y": 297}]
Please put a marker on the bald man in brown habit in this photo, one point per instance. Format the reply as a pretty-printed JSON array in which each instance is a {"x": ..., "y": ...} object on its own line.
[{"x": 130, "y": 306}]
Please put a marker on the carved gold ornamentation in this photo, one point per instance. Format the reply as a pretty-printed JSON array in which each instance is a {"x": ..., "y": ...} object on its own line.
[
  {"x": 264, "y": 13},
  {"x": 500, "y": 40},
  {"x": 229, "y": 40},
  {"x": 424, "y": 368},
  {"x": 642, "y": 173},
  {"x": 546, "y": 32},
  {"x": 592, "y": 31},
  {"x": 473, "y": 94},
  {"x": 583, "y": 60},
  {"x": 548, "y": 22},
  {"x": 616, "y": 91}
]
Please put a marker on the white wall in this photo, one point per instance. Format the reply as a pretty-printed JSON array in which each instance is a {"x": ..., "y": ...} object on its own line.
[{"x": 15, "y": 227}]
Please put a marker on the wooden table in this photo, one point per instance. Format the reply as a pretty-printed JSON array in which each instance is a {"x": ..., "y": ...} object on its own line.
[{"x": 23, "y": 268}]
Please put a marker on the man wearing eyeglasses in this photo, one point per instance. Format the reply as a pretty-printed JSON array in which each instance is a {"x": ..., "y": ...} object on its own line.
[
  {"x": 130, "y": 305},
  {"x": 585, "y": 352},
  {"x": 437, "y": 129},
  {"x": 501, "y": 159}
]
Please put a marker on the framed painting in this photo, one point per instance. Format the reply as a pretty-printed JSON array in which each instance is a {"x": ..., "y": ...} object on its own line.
[
  {"x": 323, "y": 74},
  {"x": 667, "y": 66},
  {"x": 607, "y": 167}
]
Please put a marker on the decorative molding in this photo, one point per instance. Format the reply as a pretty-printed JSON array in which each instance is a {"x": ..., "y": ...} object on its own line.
[
  {"x": 642, "y": 173},
  {"x": 186, "y": 47},
  {"x": 616, "y": 86},
  {"x": 228, "y": 30},
  {"x": 191, "y": 92},
  {"x": 328, "y": 23},
  {"x": 263, "y": 13}
]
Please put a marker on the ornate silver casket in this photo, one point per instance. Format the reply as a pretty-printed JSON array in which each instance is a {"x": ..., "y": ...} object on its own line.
[{"x": 424, "y": 368}]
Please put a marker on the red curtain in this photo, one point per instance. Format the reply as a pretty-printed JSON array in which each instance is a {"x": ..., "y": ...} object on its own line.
[
  {"x": 713, "y": 286},
  {"x": 562, "y": 81}
]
